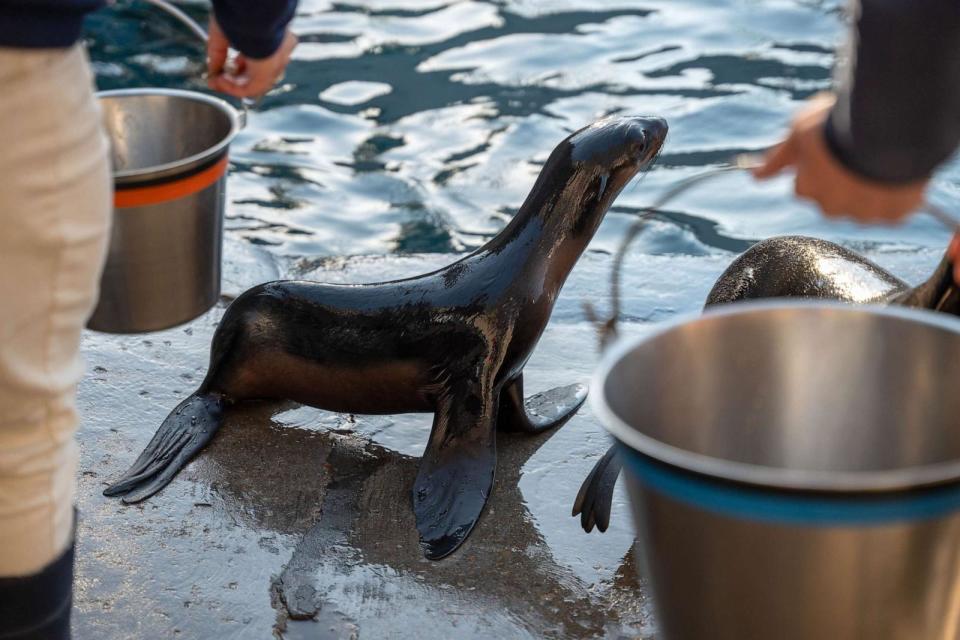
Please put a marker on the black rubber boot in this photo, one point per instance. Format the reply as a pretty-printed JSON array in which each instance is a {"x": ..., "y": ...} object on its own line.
[{"x": 37, "y": 607}]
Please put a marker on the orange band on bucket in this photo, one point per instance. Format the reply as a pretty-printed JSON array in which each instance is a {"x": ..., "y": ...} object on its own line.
[{"x": 144, "y": 196}]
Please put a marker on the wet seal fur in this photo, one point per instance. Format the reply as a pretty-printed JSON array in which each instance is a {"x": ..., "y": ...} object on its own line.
[
  {"x": 453, "y": 342},
  {"x": 786, "y": 267}
]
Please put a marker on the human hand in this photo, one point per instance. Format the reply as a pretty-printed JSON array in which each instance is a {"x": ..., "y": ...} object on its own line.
[
  {"x": 820, "y": 177},
  {"x": 248, "y": 77}
]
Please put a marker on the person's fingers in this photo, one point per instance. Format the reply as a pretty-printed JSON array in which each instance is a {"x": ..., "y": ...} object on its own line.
[
  {"x": 216, "y": 83},
  {"x": 834, "y": 209},
  {"x": 235, "y": 65},
  {"x": 777, "y": 159},
  {"x": 810, "y": 186},
  {"x": 265, "y": 74},
  {"x": 261, "y": 76},
  {"x": 880, "y": 205},
  {"x": 788, "y": 153},
  {"x": 247, "y": 85},
  {"x": 802, "y": 185},
  {"x": 258, "y": 85},
  {"x": 896, "y": 206},
  {"x": 235, "y": 86},
  {"x": 829, "y": 206},
  {"x": 244, "y": 77},
  {"x": 878, "y": 211},
  {"x": 217, "y": 48},
  {"x": 833, "y": 206},
  {"x": 896, "y": 212}
]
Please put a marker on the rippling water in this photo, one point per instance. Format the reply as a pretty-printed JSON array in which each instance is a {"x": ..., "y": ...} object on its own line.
[{"x": 420, "y": 125}]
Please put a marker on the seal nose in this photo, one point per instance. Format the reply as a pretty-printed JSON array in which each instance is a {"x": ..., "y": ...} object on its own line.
[
  {"x": 656, "y": 130},
  {"x": 646, "y": 135}
]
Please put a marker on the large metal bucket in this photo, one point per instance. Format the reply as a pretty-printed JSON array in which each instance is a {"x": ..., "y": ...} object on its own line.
[
  {"x": 169, "y": 152},
  {"x": 794, "y": 471}
]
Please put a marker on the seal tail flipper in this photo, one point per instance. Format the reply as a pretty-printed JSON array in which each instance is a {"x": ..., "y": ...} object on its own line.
[
  {"x": 595, "y": 498},
  {"x": 185, "y": 431},
  {"x": 456, "y": 472},
  {"x": 542, "y": 411}
]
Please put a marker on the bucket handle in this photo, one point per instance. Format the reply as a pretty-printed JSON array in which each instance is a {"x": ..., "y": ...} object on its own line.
[
  {"x": 245, "y": 103},
  {"x": 607, "y": 328}
]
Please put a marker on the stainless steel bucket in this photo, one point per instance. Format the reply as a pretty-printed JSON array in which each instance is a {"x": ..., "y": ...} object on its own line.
[
  {"x": 794, "y": 470},
  {"x": 169, "y": 152}
]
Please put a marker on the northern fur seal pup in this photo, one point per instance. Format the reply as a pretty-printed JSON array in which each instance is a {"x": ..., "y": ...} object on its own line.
[
  {"x": 787, "y": 267},
  {"x": 452, "y": 342}
]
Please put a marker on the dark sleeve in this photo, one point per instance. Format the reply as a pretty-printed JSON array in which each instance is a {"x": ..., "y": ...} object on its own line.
[
  {"x": 898, "y": 101},
  {"x": 254, "y": 27}
]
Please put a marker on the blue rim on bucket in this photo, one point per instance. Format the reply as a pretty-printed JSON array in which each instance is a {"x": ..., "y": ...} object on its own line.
[
  {"x": 756, "y": 481},
  {"x": 791, "y": 507}
]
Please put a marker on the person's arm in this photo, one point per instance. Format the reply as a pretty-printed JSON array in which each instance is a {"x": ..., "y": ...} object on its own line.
[
  {"x": 896, "y": 117},
  {"x": 258, "y": 29}
]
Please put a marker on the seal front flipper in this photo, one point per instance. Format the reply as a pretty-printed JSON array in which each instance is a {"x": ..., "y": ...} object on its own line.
[
  {"x": 185, "y": 431},
  {"x": 456, "y": 471},
  {"x": 595, "y": 498},
  {"x": 542, "y": 411}
]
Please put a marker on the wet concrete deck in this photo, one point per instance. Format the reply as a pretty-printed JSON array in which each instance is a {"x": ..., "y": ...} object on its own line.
[{"x": 296, "y": 523}]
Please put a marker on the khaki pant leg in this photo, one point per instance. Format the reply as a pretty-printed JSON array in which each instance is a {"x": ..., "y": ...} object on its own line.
[{"x": 55, "y": 207}]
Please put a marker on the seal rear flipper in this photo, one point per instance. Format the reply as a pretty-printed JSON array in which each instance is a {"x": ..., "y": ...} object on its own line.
[
  {"x": 183, "y": 433},
  {"x": 542, "y": 411},
  {"x": 456, "y": 472},
  {"x": 595, "y": 498}
]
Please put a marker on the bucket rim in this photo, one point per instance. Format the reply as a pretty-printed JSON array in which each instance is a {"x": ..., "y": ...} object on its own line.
[
  {"x": 901, "y": 479},
  {"x": 134, "y": 176}
]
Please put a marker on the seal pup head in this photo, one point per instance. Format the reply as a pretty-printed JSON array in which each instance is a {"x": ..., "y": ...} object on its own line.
[
  {"x": 587, "y": 171},
  {"x": 618, "y": 147}
]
